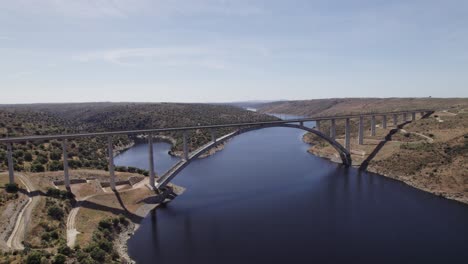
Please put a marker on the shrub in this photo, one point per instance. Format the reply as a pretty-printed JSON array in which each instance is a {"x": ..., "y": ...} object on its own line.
[
  {"x": 55, "y": 212},
  {"x": 98, "y": 254},
  {"x": 55, "y": 155},
  {"x": 37, "y": 167},
  {"x": 105, "y": 224},
  {"x": 59, "y": 259},
  {"x": 55, "y": 166},
  {"x": 121, "y": 168},
  {"x": 28, "y": 156},
  {"x": 34, "y": 258}
]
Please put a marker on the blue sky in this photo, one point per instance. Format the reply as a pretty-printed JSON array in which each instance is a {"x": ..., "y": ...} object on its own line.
[{"x": 231, "y": 50}]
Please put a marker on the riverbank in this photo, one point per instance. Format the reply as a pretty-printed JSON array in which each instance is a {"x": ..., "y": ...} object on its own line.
[{"x": 429, "y": 154}]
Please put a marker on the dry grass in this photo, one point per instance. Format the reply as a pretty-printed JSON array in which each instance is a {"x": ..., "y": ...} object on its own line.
[
  {"x": 107, "y": 205},
  {"x": 440, "y": 167}
]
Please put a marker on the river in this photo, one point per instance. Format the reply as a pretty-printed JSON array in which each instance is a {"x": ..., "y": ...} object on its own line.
[{"x": 264, "y": 199}]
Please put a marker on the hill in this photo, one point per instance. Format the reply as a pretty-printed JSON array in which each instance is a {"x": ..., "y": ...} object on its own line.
[
  {"x": 46, "y": 119},
  {"x": 340, "y": 106}
]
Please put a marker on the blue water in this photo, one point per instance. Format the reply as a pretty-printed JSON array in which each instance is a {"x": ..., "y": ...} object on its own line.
[{"x": 264, "y": 199}]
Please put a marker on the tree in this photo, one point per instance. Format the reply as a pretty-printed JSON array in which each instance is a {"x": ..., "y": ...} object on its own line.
[
  {"x": 37, "y": 167},
  {"x": 28, "y": 156},
  {"x": 55, "y": 155},
  {"x": 55, "y": 212},
  {"x": 34, "y": 258},
  {"x": 59, "y": 259}
]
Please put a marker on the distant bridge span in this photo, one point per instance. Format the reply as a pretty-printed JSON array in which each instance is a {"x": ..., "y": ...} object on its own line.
[
  {"x": 344, "y": 151},
  {"x": 178, "y": 167}
]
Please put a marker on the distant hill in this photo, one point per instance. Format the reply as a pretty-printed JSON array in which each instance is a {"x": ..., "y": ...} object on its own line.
[
  {"x": 338, "y": 106},
  {"x": 49, "y": 119}
]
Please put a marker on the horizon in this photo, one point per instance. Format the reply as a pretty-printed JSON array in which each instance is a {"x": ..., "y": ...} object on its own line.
[
  {"x": 230, "y": 51},
  {"x": 260, "y": 101}
]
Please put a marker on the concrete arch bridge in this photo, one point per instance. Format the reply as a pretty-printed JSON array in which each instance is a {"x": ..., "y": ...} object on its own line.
[{"x": 343, "y": 150}]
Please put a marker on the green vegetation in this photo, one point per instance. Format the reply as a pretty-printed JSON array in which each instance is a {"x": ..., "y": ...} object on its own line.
[{"x": 47, "y": 119}]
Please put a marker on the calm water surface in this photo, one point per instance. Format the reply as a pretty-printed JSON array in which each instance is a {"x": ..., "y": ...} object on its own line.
[{"x": 264, "y": 199}]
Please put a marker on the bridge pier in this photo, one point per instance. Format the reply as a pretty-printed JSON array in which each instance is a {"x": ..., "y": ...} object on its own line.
[
  {"x": 347, "y": 135},
  {"x": 361, "y": 130},
  {"x": 333, "y": 129},
  {"x": 405, "y": 117},
  {"x": 186, "y": 155},
  {"x": 111, "y": 163},
  {"x": 151, "y": 161},
  {"x": 413, "y": 116},
  {"x": 317, "y": 125},
  {"x": 213, "y": 137},
  {"x": 11, "y": 172},
  {"x": 373, "y": 126},
  {"x": 422, "y": 114},
  {"x": 65, "y": 164},
  {"x": 384, "y": 122},
  {"x": 395, "y": 120}
]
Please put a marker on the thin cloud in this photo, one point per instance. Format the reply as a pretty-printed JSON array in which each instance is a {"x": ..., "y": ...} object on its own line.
[{"x": 178, "y": 56}]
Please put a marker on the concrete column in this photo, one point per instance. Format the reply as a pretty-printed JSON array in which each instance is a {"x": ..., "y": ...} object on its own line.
[
  {"x": 11, "y": 172},
  {"x": 384, "y": 122},
  {"x": 317, "y": 125},
  {"x": 395, "y": 120},
  {"x": 422, "y": 114},
  {"x": 65, "y": 164},
  {"x": 405, "y": 117},
  {"x": 361, "y": 130},
  {"x": 111, "y": 162},
  {"x": 301, "y": 123},
  {"x": 413, "y": 116},
  {"x": 213, "y": 137},
  {"x": 151, "y": 161},
  {"x": 186, "y": 155},
  {"x": 332, "y": 129},
  {"x": 373, "y": 126},
  {"x": 347, "y": 135}
]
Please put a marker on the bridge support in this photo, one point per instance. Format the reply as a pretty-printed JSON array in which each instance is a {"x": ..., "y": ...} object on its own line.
[
  {"x": 373, "y": 126},
  {"x": 422, "y": 114},
  {"x": 347, "y": 135},
  {"x": 317, "y": 125},
  {"x": 405, "y": 117},
  {"x": 111, "y": 163},
  {"x": 384, "y": 122},
  {"x": 333, "y": 129},
  {"x": 361, "y": 130},
  {"x": 395, "y": 120},
  {"x": 413, "y": 116},
  {"x": 11, "y": 172},
  {"x": 186, "y": 155},
  {"x": 151, "y": 161},
  {"x": 65, "y": 164},
  {"x": 213, "y": 137}
]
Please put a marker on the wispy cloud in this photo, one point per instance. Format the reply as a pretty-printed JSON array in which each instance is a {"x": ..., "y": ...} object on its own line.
[
  {"x": 6, "y": 38},
  {"x": 174, "y": 56},
  {"x": 125, "y": 8}
]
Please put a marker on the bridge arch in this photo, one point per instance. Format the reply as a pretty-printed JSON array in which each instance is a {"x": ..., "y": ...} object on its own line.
[{"x": 178, "y": 167}]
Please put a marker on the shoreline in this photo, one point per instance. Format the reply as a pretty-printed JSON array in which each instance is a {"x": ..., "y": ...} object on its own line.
[{"x": 335, "y": 158}]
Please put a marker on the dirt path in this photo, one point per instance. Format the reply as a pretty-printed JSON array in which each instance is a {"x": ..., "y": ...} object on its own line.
[
  {"x": 15, "y": 241},
  {"x": 428, "y": 139}
]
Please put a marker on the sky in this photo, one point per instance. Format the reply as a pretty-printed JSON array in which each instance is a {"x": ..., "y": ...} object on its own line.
[{"x": 231, "y": 50}]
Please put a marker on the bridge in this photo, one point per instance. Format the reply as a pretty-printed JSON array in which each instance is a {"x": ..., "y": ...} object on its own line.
[{"x": 239, "y": 128}]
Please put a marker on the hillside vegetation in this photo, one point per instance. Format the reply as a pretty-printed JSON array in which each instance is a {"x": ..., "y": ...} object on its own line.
[
  {"x": 430, "y": 154},
  {"x": 342, "y": 106},
  {"x": 48, "y": 119}
]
